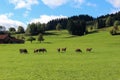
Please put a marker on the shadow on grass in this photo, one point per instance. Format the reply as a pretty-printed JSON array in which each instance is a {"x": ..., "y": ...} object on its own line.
[
  {"x": 47, "y": 42},
  {"x": 42, "y": 43},
  {"x": 50, "y": 33},
  {"x": 72, "y": 36},
  {"x": 116, "y": 34},
  {"x": 92, "y": 32}
]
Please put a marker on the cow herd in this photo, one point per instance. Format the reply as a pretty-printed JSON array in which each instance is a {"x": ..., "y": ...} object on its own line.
[{"x": 43, "y": 50}]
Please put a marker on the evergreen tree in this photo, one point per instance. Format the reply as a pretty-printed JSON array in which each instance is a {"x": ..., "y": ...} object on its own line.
[
  {"x": 70, "y": 27},
  {"x": 76, "y": 27},
  {"x": 38, "y": 27},
  {"x": 101, "y": 23},
  {"x": 43, "y": 26}
]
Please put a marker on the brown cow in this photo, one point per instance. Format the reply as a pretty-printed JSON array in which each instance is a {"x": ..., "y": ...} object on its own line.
[
  {"x": 88, "y": 49},
  {"x": 58, "y": 49},
  {"x": 78, "y": 50},
  {"x": 23, "y": 51},
  {"x": 64, "y": 49},
  {"x": 36, "y": 50},
  {"x": 42, "y": 50}
]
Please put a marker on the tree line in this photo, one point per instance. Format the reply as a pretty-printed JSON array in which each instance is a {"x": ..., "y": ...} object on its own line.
[{"x": 76, "y": 25}]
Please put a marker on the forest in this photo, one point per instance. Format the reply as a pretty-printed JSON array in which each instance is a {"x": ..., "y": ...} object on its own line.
[{"x": 76, "y": 25}]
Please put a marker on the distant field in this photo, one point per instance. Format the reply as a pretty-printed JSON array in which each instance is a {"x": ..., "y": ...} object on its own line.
[{"x": 103, "y": 63}]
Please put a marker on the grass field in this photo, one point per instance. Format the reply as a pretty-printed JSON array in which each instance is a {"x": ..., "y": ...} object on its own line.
[{"x": 103, "y": 63}]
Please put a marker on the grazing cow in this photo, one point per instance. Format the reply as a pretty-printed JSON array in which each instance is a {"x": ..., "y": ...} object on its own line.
[
  {"x": 36, "y": 50},
  {"x": 23, "y": 51},
  {"x": 89, "y": 49},
  {"x": 42, "y": 50},
  {"x": 64, "y": 49},
  {"x": 58, "y": 49},
  {"x": 78, "y": 50}
]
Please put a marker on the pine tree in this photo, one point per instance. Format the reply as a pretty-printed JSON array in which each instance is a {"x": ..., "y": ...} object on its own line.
[{"x": 70, "y": 27}]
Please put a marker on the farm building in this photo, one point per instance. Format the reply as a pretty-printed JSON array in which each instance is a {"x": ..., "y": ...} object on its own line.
[{"x": 6, "y": 38}]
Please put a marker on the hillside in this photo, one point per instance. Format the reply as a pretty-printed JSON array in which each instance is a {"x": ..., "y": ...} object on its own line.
[{"x": 102, "y": 63}]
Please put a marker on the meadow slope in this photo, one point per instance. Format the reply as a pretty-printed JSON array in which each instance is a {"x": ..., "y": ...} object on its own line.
[{"x": 103, "y": 63}]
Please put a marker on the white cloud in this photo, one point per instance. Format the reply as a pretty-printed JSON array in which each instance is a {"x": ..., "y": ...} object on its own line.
[
  {"x": 54, "y": 3},
  {"x": 75, "y": 3},
  {"x": 115, "y": 3},
  {"x": 57, "y": 3},
  {"x": 47, "y": 18},
  {"x": 23, "y": 3},
  {"x": 79, "y": 1},
  {"x": 91, "y": 4},
  {"x": 7, "y": 22}
]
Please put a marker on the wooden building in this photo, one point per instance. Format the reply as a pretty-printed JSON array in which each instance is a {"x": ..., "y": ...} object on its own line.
[{"x": 6, "y": 38}]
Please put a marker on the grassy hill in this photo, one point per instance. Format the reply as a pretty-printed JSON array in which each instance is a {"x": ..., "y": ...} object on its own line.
[{"x": 103, "y": 63}]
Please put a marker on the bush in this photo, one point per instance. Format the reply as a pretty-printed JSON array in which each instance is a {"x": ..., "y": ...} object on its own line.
[{"x": 113, "y": 32}]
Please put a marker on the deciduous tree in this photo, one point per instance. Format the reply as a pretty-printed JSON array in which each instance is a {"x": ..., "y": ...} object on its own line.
[
  {"x": 12, "y": 30},
  {"x": 40, "y": 37},
  {"x": 31, "y": 39},
  {"x": 20, "y": 30},
  {"x": 58, "y": 27}
]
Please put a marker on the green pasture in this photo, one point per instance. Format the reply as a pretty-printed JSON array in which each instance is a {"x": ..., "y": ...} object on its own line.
[{"x": 103, "y": 63}]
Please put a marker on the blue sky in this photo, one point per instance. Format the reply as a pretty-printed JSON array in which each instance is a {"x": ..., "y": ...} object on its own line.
[{"x": 22, "y": 12}]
